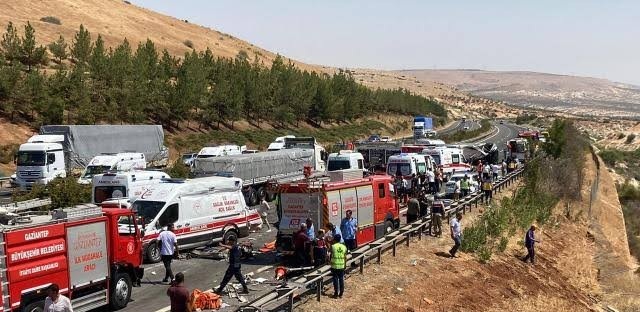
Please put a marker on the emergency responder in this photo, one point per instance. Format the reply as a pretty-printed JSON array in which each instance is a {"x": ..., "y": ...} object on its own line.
[
  {"x": 333, "y": 231},
  {"x": 338, "y": 264},
  {"x": 465, "y": 186},
  {"x": 529, "y": 243},
  {"x": 349, "y": 227},
  {"x": 487, "y": 189},
  {"x": 437, "y": 212},
  {"x": 234, "y": 267},
  {"x": 311, "y": 231},
  {"x": 264, "y": 213},
  {"x": 168, "y": 248},
  {"x": 456, "y": 234},
  {"x": 320, "y": 249}
]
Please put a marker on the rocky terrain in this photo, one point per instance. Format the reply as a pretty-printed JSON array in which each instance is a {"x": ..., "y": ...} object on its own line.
[{"x": 567, "y": 94}]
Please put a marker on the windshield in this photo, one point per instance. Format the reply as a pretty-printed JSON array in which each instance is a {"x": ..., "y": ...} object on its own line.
[
  {"x": 31, "y": 158},
  {"x": 147, "y": 210},
  {"x": 187, "y": 157},
  {"x": 102, "y": 193},
  {"x": 93, "y": 170},
  {"x": 338, "y": 165},
  {"x": 520, "y": 148},
  {"x": 396, "y": 169},
  {"x": 436, "y": 159}
]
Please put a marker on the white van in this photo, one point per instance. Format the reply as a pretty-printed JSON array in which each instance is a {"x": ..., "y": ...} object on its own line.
[
  {"x": 278, "y": 143},
  {"x": 221, "y": 150},
  {"x": 203, "y": 210},
  {"x": 450, "y": 159},
  {"x": 406, "y": 164},
  {"x": 345, "y": 159},
  {"x": 112, "y": 162},
  {"x": 123, "y": 185}
]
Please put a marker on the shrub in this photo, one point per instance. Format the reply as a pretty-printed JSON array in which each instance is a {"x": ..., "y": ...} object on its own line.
[
  {"x": 611, "y": 156},
  {"x": 64, "y": 192},
  {"x": 51, "y": 20},
  {"x": 7, "y": 152},
  {"x": 178, "y": 170},
  {"x": 188, "y": 43},
  {"x": 503, "y": 244},
  {"x": 484, "y": 255},
  {"x": 630, "y": 138}
]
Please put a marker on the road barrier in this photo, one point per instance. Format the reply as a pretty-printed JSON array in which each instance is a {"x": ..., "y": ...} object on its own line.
[{"x": 316, "y": 279}]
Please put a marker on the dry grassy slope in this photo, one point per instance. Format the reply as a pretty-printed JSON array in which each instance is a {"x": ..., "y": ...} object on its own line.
[{"x": 116, "y": 20}]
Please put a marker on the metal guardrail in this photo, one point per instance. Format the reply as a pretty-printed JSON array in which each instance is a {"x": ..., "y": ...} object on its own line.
[
  {"x": 26, "y": 205},
  {"x": 316, "y": 279},
  {"x": 5, "y": 180}
]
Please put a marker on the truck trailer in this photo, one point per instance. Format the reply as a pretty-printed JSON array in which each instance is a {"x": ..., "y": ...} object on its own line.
[
  {"x": 59, "y": 150},
  {"x": 93, "y": 260},
  {"x": 423, "y": 127}
]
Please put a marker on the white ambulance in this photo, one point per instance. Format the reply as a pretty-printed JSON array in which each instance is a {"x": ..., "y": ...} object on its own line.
[
  {"x": 116, "y": 162},
  {"x": 406, "y": 164},
  {"x": 449, "y": 158},
  {"x": 203, "y": 211},
  {"x": 345, "y": 159},
  {"x": 125, "y": 186}
]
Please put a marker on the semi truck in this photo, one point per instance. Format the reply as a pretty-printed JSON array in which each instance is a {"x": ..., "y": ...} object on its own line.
[
  {"x": 60, "y": 150},
  {"x": 203, "y": 211},
  {"x": 377, "y": 154},
  {"x": 259, "y": 169},
  {"x": 93, "y": 260},
  {"x": 423, "y": 127},
  {"x": 370, "y": 199},
  {"x": 518, "y": 149}
]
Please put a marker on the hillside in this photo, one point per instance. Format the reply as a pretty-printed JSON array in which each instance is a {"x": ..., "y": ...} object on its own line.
[
  {"x": 560, "y": 93},
  {"x": 115, "y": 20}
]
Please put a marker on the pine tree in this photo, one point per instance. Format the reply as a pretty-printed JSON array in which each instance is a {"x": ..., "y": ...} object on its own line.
[
  {"x": 59, "y": 49},
  {"x": 11, "y": 44},
  {"x": 30, "y": 54},
  {"x": 81, "y": 48}
]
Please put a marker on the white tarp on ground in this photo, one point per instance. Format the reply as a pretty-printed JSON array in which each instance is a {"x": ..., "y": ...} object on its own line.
[
  {"x": 83, "y": 142},
  {"x": 255, "y": 166}
]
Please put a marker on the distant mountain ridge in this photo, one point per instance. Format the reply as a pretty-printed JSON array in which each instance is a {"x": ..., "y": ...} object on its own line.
[{"x": 561, "y": 93}]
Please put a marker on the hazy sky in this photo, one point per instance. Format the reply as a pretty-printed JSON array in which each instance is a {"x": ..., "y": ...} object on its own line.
[{"x": 581, "y": 37}]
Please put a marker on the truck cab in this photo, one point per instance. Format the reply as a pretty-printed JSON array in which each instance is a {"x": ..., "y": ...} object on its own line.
[
  {"x": 221, "y": 150},
  {"x": 278, "y": 143},
  {"x": 345, "y": 159},
  {"x": 112, "y": 162},
  {"x": 40, "y": 160}
]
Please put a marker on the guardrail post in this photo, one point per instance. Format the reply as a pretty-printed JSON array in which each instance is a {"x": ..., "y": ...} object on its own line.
[
  {"x": 420, "y": 229},
  {"x": 408, "y": 238},
  {"x": 319, "y": 289},
  {"x": 291, "y": 302},
  {"x": 395, "y": 242},
  {"x": 362, "y": 264},
  {"x": 379, "y": 255}
]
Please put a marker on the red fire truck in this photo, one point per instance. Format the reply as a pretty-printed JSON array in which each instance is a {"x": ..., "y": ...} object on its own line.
[
  {"x": 84, "y": 250},
  {"x": 370, "y": 199}
]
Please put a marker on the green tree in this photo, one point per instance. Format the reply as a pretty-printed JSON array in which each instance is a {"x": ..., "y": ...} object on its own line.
[
  {"x": 10, "y": 44},
  {"x": 59, "y": 49},
  {"x": 30, "y": 54},
  {"x": 81, "y": 47}
]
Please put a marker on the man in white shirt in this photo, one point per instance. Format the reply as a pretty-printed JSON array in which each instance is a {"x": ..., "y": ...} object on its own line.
[
  {"x": 456, "y": 234},
  {"x": 431, "y": 178},
  {"x": 264, "y": 212},
  {"x": 168, "y": 246},
  {"x": 55, "y": 302}
]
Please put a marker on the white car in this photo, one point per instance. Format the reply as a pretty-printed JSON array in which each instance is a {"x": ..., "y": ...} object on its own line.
[
  {"x": 385, "y": 139},
  {"x": 450, "y": 186}
]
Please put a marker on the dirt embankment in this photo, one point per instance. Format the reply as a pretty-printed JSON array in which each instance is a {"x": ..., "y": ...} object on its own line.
[{"x": 575, "y": 268}]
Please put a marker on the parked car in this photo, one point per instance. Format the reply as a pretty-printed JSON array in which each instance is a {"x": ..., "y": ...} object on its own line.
[
  {"x": 450, "y": 186},
  {"x": 385, "y": 139},
  {"x": 187, "y": 158},
  {"x": 374, "y": 138}
]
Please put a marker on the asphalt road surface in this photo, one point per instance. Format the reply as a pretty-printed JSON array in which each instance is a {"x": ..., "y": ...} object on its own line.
[{"x": 203, "y": 274}]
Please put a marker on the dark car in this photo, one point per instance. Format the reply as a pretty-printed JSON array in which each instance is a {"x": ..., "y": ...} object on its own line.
[{"x": 374, "y": 138}]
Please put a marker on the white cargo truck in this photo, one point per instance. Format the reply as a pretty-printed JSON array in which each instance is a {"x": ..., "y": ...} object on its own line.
[
  {"x": 220, "y": 150},
  {"x": 278, "y": 143},
  {"x": 345, "y": 159}
]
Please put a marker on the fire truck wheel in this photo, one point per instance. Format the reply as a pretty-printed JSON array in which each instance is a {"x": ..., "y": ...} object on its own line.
[
  {"x": 121, "y": 291},
  {"x": 153, "y": 253},
  {"x": 37, "y": 306},
  {"x": 388, "y": 227},
  {"x": 228, "y": 234}
]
